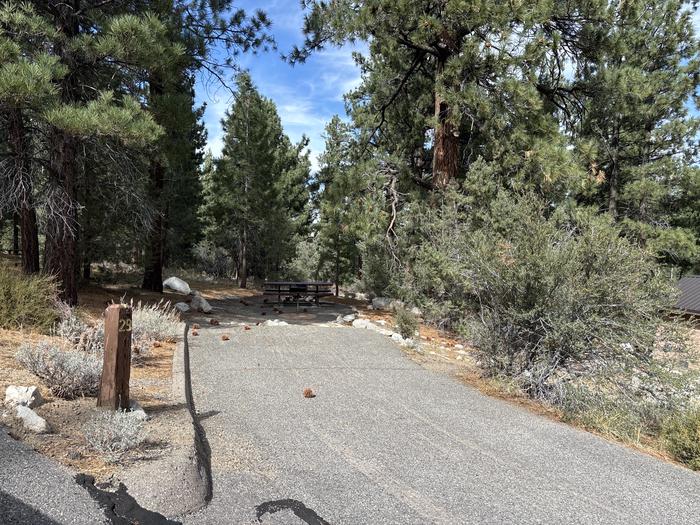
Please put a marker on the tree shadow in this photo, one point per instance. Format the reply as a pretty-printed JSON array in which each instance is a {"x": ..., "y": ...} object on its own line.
[{"x": 15, "y": 511}]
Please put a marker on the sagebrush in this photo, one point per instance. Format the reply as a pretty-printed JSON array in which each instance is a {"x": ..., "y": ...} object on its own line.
[
  {"x": 681, "y": 436},
  {"x": 406, "y": 323},
  {"x": 113, "y": 433},
  {"x": 27, "y": 301},
  {"x": 68, "y": 374}
]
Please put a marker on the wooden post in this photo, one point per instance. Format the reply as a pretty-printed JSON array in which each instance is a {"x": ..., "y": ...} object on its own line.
[{"x": 114, "y": 385}]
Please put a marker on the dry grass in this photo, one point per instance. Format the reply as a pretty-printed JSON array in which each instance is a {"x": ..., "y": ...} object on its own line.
[{"x": 150, "y": 384}]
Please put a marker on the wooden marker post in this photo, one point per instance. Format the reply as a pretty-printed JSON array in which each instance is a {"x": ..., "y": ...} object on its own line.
[{"x": 114, "y": 385}]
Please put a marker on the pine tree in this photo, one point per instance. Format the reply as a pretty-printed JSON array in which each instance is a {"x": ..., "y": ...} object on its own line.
[{"x": 256, "y": 197}]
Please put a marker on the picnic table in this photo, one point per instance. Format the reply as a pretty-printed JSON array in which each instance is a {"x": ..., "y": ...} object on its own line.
[{"x": 298, "y": 289}]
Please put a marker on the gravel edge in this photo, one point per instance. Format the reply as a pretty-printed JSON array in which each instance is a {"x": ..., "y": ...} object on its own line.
[{"x": 179, "y": 483}]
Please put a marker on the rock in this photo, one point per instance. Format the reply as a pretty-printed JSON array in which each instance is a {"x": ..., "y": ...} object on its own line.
[
  {"x": 381, "y": 303},
  {"x": 361, "y": 323},
  {"x": 200, "y": 304},
  {"x": 349, "y": 318},
  {"x": 136, "y": 411},
  {"x": 177, "y": 285},
  {"x": 397, "y": 337},
  {"x": 28, "y": 396},
  {"x": 361, "y": 296},
  {"x": 275, "y": 322},
  {"x": 459, "y": 346},
  {"x": 31, "y": 420},
  {"x": 182, "y": 307}
]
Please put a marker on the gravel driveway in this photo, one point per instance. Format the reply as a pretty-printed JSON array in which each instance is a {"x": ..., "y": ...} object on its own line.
[{"x": 388, "y": 441}]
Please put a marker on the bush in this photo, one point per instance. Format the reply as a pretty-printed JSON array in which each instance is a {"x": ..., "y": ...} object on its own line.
[
  {"x": 67, "y": 374},
  {"x": 376, "y": 267},
  {"x": 681, "y": 437},
  {"x": 154, "y": 322},
  {"x": 114, "y": 433},
  {"x": 27, "y": 301},
  {"x": 406, "y": 323},
  {"x": 70, "y": 327},
  {"x": 539, "y": 290},
  {"x": 213, "y": 260}
]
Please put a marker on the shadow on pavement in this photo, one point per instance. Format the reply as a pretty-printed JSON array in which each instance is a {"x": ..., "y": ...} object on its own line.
[{"x": 15, "y": 511}]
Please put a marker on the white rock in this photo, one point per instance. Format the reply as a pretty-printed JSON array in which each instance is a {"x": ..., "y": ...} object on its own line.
[
  {"x": 137, "y": 411},
  {"x": 397, "y": 337},
  {"x": 31, "y": 420},
  {"x": 382, "y": 322},
  {"x": 177, "y": 284},
  {"x": 275, "y": 322},
  {"x": 361, "y": 296},
  {"x": 361, "y": 323},
  {"x": 23, "y": 395},
  {"x": 459, "y": 347},
  {"x": 381, "y": 303},
  {"x": 348, "y": 318},
  {"x": 200, "y": 304},
  {"x": 182, "y": 307}
]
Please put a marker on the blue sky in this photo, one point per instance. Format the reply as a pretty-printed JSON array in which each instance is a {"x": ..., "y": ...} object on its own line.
[{"x": 307, "y": 95}]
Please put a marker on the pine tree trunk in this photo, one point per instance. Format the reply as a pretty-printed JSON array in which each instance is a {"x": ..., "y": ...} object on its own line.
[
  {"x": 61, "y": 241},
  {"x": 60, "y": 254},
  {"x": 243, "y": 257},
  {"x": 153, "y": 270},
  {"x": 446, "y": 150},
  {"x": 15, "y": 234},
  {"x": 19, "y": 143}
]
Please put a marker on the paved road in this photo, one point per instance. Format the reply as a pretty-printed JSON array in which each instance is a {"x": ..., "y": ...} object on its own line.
[
  {"x": 388, "y": 442},
  {"x": 35, "y": 490}
]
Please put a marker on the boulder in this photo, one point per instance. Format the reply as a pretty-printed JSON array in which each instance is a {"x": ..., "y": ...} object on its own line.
[
  {"x": 361, "y": 296},
  {"x": 381, "y": 303},
  {"x": 200, "y": 304},
  {"x": 275, "y": 322},
  {"x": 349, "y": 318},
  {"x": 177, "y": 285},
  {"x": 31, "y": 420},
  {"x": 361, "y": 323},
  {"x": 28, "y": 396},
  {"x": 182, "y": 307},
  {"x": 397, "y": 337}
]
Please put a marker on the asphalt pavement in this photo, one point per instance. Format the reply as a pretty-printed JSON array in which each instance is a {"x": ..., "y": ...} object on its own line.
[
  {"x": 386, "y": 441},
  {"x": 35, "y": 490}
]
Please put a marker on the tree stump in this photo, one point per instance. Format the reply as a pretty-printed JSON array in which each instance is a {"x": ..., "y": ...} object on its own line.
[{"x": 114, "y": 384}]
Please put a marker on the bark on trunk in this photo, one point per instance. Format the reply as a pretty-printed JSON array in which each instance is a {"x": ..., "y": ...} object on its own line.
[
  {"x": 243, "y": 257},
  {"x": 19, "y": 143},
  {"x": 61, "y": 252},
  {"x": 153, "y": 270},
  {"x": 15, "y": 234},
  {"x": 446, "y": 150},
  {"x": 61, "y": 240}
]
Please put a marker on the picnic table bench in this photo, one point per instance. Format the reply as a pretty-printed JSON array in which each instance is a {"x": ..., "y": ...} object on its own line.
[{"x": 297, "y": 290}]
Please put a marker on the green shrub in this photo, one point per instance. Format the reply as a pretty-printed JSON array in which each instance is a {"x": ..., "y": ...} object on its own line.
[
  {"x": 406, "y": 323},
  {"x": 681, "y": 437},
  {"x": 539, "y": 290},
  {"x": 27, "y": 301}
]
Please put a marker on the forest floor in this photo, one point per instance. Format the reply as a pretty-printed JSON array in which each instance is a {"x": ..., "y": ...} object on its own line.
[{"x": 436, "y": 351}]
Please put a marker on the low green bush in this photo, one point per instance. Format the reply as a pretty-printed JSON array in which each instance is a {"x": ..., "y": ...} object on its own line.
[
  {"x": 27, "y": 301},
  {"x": 406, "y": 323},
  {"x": 538, "y": 290},
  {"x": 681, "y": 437}
]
